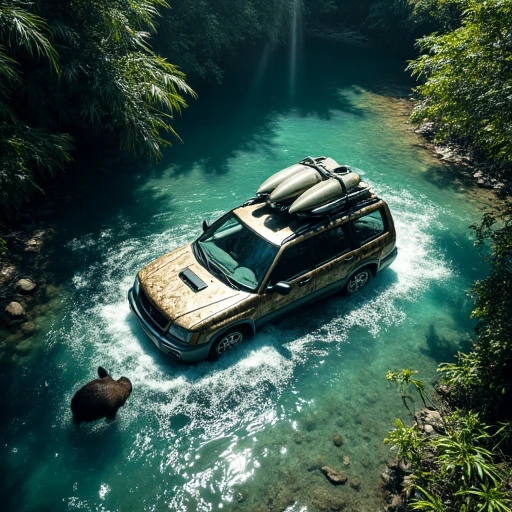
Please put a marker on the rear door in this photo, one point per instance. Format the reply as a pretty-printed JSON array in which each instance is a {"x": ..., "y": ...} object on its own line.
[
  {"x": 334, "y": 256},
  {"x": 341, "y": 250}
]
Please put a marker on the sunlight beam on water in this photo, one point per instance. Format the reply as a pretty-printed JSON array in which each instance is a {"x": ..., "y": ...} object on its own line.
[{"x": 295, "y": 29}]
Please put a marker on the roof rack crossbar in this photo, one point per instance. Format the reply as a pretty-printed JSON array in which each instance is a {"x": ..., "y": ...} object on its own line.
[{"x": 328, "y": 218}]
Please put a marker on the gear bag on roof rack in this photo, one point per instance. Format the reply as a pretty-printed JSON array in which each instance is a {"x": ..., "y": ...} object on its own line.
[{"x": 314, "y": 187}]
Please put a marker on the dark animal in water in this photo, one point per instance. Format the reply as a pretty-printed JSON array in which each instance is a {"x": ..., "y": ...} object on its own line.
[{"x": 100, "y": 398}]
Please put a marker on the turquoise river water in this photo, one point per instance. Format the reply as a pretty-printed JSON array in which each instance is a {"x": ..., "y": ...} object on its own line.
[{"x": 247, "y": 432}]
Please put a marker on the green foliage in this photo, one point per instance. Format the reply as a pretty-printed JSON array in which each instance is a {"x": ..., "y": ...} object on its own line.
[
  {"x": 462, "y": 453},
  {"x": 117, "y": 85},
  {"x": 387, "y": 18},
  {"x": 85, "y": 68},
  {"x": 211, "y": 31},
  {"x": 429, "y": 502},
  {"x": 490, "y": 499},
  {"x": 408, "y": 441},
  {"x": 462, "y": 469},
  {"x": 27, "y": 153},
  {"x": 444, "y": 15},
  {"x": 468, "y": 79},
  {"x": 404, "y": 380},
  {"x": 482, "y": 379}
]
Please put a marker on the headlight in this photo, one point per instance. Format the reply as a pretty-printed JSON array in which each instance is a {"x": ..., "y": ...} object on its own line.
[{"x": 183, "y": 334}]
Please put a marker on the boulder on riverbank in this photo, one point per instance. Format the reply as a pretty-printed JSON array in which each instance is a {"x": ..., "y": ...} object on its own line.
[{"x": 429, "y": 421}]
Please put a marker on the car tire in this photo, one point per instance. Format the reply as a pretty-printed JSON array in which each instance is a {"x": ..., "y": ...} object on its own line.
[
  {"x": 226, "y": 342},
  {"x": 357, "y": 280}
]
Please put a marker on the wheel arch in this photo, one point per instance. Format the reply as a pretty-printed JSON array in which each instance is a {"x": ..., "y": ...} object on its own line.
[
  {"x": 247, "y": 326},
  {"x": 372, "y": 266}
]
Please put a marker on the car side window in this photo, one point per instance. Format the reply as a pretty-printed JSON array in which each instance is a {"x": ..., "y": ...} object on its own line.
[
  {"x": 329, "y": 245},
  {"x": 369, "y": 227},
  {"x": 293, "y": 262}
]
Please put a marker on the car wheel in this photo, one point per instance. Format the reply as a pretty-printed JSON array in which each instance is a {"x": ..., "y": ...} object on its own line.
[
  {"x": 358, "y": 280},
  {"x": 226, "y": 342}
]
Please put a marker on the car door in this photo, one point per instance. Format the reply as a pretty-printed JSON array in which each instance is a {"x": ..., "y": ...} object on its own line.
[
  {"x": 334, "y": 256},
  {"x": 295, "y": 267}
]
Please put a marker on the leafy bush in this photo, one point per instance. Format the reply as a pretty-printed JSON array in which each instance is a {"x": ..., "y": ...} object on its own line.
[
  {"x": 468, "y": 80},
  {"x": 482, "y": 379},
  {"x": 79, "y": 67}
]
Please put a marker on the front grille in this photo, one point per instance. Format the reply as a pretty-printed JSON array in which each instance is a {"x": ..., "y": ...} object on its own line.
[{"x": 151, "y": 313}]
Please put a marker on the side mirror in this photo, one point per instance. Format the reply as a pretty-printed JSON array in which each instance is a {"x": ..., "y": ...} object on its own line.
[
  {"x": 205, "y": 225},
  {"x": 282, "y": 287}
]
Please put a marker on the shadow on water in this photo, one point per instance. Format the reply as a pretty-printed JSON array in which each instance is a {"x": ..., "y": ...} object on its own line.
[
  {"x": 439, "y": 348},
  {"x": 451, "y": 176},
  {"x": 241, "y": 115}
]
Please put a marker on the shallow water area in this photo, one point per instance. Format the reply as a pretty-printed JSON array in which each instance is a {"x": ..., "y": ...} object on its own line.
[{"x": 250, "y": 431}]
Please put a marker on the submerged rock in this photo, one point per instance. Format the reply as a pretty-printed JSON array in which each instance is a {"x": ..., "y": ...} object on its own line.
[
  {"x": 25, "y": 346},
  {"x": 346, "y": 460},
  {"x": 338, "y": 440},
  {"x": 28, "y": 328},
  {"x": 15, "y": 311},
  {"x": 25, "y": 286},
  {"x": 396, "y": 503},
  {"x": 335, "y": 477}
]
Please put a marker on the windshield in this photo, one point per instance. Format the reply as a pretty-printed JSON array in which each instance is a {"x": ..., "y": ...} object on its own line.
[{"x": 231, "y": 248}]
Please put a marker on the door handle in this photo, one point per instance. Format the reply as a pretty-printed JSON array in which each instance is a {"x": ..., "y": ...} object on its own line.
[
  {"x": 304, "y": 282},
  {"x": 349, "y": 258}
]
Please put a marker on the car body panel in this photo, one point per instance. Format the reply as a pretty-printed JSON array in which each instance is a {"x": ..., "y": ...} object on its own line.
[{"x": 172, "y": 296}]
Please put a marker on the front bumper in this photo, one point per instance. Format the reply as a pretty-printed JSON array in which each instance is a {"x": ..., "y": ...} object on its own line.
[{"x": 174, "y": 348}]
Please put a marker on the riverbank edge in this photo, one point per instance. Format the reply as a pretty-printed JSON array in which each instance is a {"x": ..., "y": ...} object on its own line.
[{"x": 31, "y": 257}]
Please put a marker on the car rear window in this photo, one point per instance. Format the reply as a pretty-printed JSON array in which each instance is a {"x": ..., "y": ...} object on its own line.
[
  {"x": 329, "y": 245},
  {"x": 369, "y": 227}
]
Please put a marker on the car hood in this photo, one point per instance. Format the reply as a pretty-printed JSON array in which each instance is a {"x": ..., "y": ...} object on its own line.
[{"x": 177, "y": 297}]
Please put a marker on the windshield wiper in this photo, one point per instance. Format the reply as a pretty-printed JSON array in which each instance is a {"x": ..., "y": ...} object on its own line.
[
  {"x": 230, "y": 281},
  {"x": 203, "y": 258},
  {"x": 210, "y": 265}
]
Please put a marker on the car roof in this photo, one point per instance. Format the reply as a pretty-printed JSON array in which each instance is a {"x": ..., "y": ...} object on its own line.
[
  {"x": 273, "y": 225},
  {"x": 278, "y": 227}
]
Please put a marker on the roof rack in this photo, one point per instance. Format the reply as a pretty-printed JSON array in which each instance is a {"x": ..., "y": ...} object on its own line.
[{"x": 330, "y": 217}]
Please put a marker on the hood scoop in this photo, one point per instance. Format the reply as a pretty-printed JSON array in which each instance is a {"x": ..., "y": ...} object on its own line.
[{"x": 195, "y": 283}]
